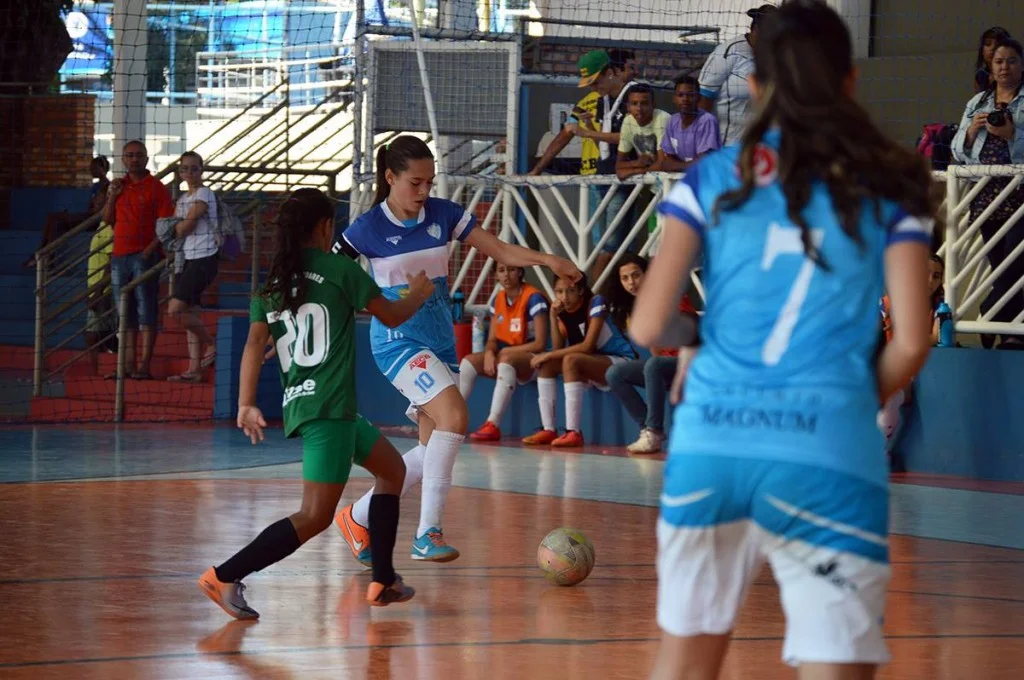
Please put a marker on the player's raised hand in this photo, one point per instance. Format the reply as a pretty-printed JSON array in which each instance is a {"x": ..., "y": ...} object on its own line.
[
  {"x": 565, "y": 269},
  {"x": 420, "y": 286},
  {"x": 251, "y": 422}
]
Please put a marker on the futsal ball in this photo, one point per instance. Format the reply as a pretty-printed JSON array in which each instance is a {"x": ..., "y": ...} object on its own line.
[{"x": 565, "y": 556}]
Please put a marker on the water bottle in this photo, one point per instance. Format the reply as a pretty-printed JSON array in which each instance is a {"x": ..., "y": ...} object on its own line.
[
  {"x": 479, "y": 333},
  {"x": 947, "y": 335},
  {"x": 458, "y": 304}
]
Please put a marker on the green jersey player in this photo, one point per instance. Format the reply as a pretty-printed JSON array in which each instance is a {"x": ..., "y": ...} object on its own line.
[{"x": 308, "y": 308}]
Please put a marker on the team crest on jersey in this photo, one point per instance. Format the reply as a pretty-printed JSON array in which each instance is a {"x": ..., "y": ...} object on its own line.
[
  {"x": 766, "y": 165},
  {"x": 501, "y": 318},
  {"x": 420, "y": 362},
  {"x": 515, "y": 325},
  {"x": 435, "y": 230},
  {"x": 394, "y": 240}
]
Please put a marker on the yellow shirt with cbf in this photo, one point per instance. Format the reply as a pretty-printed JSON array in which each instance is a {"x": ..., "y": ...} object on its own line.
[{"x": 100, "y": 248}]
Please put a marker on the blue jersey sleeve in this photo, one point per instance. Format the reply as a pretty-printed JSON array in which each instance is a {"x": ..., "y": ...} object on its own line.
[
  {"x": 456, "y": 221},
  {"x": 904, "y": 227},
  {"x": 683, "y": 202},
  {"x": 537, "y": 304},
  {"x": 355, "y": 240},
  {"x": 598, "y": 308}
]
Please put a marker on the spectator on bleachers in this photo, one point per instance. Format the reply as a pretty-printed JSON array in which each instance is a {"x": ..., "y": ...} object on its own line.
[
  {"x": 992, "y": 133},
  {"x": 691, "y": 131},
  {"x": 197, "y": 210},
  {"x": 642, "y": 133},
  {"x": 986, "y": 50},
  {"x": 100, "y": 321},
  {"x": 519, "y": 329},
  {"x": 585, "y": 343},
  {"x": 654, "y": 373},
  {"x": 134, "y": 203},
  {"x": 597, "y": 120},
  {"x": 59, "y": 223},
  {"x": 723, "y": 79}
]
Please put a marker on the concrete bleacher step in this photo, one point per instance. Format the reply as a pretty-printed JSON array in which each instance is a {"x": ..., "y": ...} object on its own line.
[
  {"x": 65, "y": 410},
  {"x": 161, "y": 368},
  {"x": 22, "y": 332},
  {"x": 143, "y": 392}
]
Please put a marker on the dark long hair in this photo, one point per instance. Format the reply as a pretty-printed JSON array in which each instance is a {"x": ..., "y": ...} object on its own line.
[
  {"x": 296, "y": 220},
  {"x": 395, "y": 157},
  {"x": 803, "y": 56},
  {"x": 997, "y": 32},
  {"x": 586, "y": 295},
  {"x": 619, "y": 301}
]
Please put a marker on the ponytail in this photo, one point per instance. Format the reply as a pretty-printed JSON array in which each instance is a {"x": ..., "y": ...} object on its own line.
[
  {"x": 383, "y": 188},
  {"x": 395, "y": 156},
  {"x": 296, "y": 222}
]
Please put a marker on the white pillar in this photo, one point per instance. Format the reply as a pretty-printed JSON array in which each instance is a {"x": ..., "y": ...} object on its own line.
[{"x": 129, "y": 73}]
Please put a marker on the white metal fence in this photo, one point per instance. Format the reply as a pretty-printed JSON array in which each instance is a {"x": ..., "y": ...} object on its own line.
[{"x": 553, "y": 214}]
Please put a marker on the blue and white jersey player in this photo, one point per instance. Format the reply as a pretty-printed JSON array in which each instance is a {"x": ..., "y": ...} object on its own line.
[{"x": 405, "y": 232}]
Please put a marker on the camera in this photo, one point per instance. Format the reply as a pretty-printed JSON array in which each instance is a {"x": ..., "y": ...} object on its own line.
[{"x": 997, "y": 118}]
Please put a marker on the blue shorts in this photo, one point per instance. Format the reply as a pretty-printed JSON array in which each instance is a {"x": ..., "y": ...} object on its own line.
[
  {"x": 824, "y": 533},
  {"x": 142, "y": 304}
]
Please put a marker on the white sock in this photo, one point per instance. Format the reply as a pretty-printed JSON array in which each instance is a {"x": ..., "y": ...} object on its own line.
[
  {"x": 574, "y": 404},
  {"x": 546, "y": 401},
  {"x": 503, "y": 389},
  {"x": 467, "y": 376},
  {"x": 413, "y": 459},
  {"x": 438, "y": 463}
]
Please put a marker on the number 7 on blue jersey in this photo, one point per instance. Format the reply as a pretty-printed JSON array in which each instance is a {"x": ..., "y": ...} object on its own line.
[{"x": 786, "y": 241}]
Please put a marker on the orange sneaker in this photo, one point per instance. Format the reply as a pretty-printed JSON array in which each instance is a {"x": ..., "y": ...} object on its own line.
[
  {"x": 227, "y": 596},
  {"x": 380, "y": 595},
  {"x": 570, "y": 438},
  {"x": 488, "y": 432},
  {"x": 356, "y": 535},
  {"x": 541, "y": 438}
]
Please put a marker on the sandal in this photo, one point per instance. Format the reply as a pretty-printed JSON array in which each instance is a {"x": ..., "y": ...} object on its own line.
[
  {"x": 186, "y": 378},
  {"x": 141, "y": 375},
  {"x": 209, "y": 360}
]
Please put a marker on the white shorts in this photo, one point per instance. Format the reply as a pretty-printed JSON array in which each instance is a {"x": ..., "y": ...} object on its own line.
[
  {"x": 833, "y": 601},
  {"x": 615, "y": 360},
  {"x": 421, "y": 378},
  {"x": 721, "y": 521}
]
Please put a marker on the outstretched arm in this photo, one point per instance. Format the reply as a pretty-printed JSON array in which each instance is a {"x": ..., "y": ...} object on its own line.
[{"x": 517, "y": 256}]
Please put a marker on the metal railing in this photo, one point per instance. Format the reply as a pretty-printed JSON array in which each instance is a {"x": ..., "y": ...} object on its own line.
[
  {"x": 309, "y": 73},
  {"x": 54, "y": 282},
  {"x": 968, "y": 275}
]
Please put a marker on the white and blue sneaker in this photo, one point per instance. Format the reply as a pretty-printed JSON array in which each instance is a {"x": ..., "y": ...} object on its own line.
[{"x": 431, "y": 547}]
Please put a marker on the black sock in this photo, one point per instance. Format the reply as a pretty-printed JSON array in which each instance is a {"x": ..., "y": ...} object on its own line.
[
  {"x": 383, "y": 530},
  {"x": 277, "y": 542}
]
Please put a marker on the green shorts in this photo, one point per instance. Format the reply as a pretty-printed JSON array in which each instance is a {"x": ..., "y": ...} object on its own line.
[{"x": 329, "y": 447}]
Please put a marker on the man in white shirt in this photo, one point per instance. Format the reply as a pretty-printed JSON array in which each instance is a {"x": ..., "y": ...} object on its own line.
[{"x": 723, "y": 80}]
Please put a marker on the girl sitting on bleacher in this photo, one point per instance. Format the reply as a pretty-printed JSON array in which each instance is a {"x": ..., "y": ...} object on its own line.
[{"x": 586, "y": 342}]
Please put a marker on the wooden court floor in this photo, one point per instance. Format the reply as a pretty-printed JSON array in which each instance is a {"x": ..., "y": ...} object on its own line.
[{"x": 97, "y": 580}]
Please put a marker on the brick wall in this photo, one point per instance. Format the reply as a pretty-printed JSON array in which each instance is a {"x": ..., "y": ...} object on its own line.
[
  {"x": 47, "y": 142},
  {"x": 58, "y": 143},
  {"x": 655, "y": 64}
]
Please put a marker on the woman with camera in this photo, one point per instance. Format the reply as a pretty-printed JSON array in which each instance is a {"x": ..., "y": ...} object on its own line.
[{"x": 992, "y": 133}]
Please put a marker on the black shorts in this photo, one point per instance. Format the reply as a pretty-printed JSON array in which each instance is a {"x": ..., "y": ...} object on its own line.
[{"x": 194, "y": 279}]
